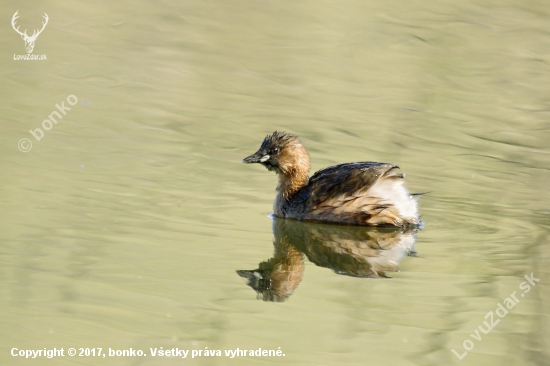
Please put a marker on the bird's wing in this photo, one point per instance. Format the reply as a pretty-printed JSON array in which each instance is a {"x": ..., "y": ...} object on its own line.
[{"x": 341, "y": 192}]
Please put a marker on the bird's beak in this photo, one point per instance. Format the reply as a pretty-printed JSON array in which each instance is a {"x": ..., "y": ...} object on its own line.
[{"x": 257, "y": 157}]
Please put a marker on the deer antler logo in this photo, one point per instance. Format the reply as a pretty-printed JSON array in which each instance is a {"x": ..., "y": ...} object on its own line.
[{"x": 29, "y": 41}]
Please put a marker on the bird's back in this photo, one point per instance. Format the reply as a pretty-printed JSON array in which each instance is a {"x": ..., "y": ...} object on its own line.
[{"x": 364, "y": 193}]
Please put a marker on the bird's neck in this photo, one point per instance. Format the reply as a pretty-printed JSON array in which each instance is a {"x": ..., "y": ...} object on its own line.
[{"x": 290, "y": 182}]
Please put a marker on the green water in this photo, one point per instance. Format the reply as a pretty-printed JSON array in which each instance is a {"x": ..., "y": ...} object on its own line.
[{"x": 124, "y": 225}]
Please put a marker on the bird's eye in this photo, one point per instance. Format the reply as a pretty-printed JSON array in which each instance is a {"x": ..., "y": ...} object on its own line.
[{"x": 275, "y": 150}]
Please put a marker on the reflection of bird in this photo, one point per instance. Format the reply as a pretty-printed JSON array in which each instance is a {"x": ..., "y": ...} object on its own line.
[
  {"x": 347, "y": 250},
  {"x": 355, "y": 193},
  {"x": 351, "y": 250},
  {"x": 277, "y": 278}
]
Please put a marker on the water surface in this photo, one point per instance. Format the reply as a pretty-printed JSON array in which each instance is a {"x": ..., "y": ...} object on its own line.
[{"x": 124, "y": 226}]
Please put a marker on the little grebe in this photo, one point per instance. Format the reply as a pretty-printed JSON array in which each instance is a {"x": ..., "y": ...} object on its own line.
[{"x": 364, "y": 193}]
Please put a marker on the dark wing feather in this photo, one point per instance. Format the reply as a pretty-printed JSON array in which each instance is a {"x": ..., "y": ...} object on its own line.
[
  {"x": 337, "y": 181},
  {"x": 345, "y": 179}
]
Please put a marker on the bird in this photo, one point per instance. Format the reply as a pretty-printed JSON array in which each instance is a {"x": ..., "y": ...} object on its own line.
[{"x": 360, "y": 193}]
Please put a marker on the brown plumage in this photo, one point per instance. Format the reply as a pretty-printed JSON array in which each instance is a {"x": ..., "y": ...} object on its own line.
[{"x": 364, "y": 193}]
